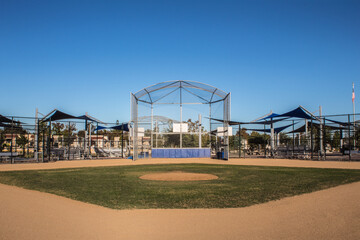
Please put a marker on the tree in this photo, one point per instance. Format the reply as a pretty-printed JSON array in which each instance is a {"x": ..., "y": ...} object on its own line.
[
  {"x": 21, "y": 140},
  {"x": 69, "y": 133},
  {"x": 57, "y": 128},
  {"x": 335, "y": 142},
  {"x": 2, "y": 140},
  {"x": 256, "y": 139},
  {"x": 284, "y": 139},
  {"x": 243, "y": 133}
]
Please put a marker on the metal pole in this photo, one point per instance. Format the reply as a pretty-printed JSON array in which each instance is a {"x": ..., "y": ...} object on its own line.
[
  {"x": 90, "y": 129},
  {"x": 180, "y": 117},
  {"x": 97, "y": 139},
  {"x": 311, "y": 139},
  {"x": 341, "y": 140},
  {"x": 210, "y": 137},
  {"x": 43, "y": 145},
  {"x": 200, "y": 144},
  {"x": 156, "y": 133},
  {"x": 122, "y": 140},
  {"x": 306, "y": 133},
  {"x": 354, "y": 115},
  {"x": 239, "y": 141},
  {"x": 38, "y": 139},
  {"x": 12, "y": 139},
  {"x": 49, "y": 141},
  {"x": 85, "y": 137},
  {"x": 265, "y": 142},
  {"x": 324, "y": 138},
  {"x": 272, "y": 138},
  {"x": 349, "y": 136},
  {"x": 293, "y": 147},
  {"x": 321, "y": 135},
  {"x": 36, "y": 143},
  {"x": 69, "y": 143},
  {"x": 152, "y": 125}
]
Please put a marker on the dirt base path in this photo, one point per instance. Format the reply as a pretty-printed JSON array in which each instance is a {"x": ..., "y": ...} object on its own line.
[{"x": 327, "y": 214}]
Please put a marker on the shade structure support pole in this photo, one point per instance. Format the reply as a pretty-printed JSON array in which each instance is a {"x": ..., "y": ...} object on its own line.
[
  {"x": 90, "y": 129},
  {"x": 354, "y": 141},
  {"x": 85, "y": 137},
  {"x": 311, "y": 139},
  {"x": 43, "y": 145},
  {"x": 324, "y": 139},
  {"x": 239, "y": 141},
  {"x": 200, "y": 145},
  {"x": 49, "y": 141},
  {"x": 152, "y": 126},
  {"x": 210, "y": 137},
  {"x": 293, "y": 147},
  {"x": 69, "y": 143},
  {"x": 321, "y": 135},
  {"x": 156, "y": 133},
  {"x": 97, "y": 135},
  {"x": 12, "y": 139},
  {"x": 349, "y": 137},
  {"x": 341, "y": 139},
  {"x": 36, "y": 140},
  {"x": 180, "y": 115},
  {"x": 265, "y": 142},
  {"x": 306, "y": 133},
  {"x": 122, "y": 140},
  {"x": 272, "y": 138}
]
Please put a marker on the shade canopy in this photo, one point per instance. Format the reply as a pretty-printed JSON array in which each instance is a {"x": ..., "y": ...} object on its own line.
[
  {"x": 316, "y": 125},
  {"x": 273, "y": 115},
  {"x": 58, "y": 115},
  {"x": 100, "y": 128},
  {"x": 4, "y": 119},
  {"x": 296, "y": 113},
  {"x": 123, "y": 127},
  {"x": 276, "y": 130},
  {"x": 89, "y": 118},
  {"x": 340, "y": 123}
]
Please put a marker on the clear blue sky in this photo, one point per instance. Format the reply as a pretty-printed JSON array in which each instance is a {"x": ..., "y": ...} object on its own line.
[{"x": 87, "y": 56}]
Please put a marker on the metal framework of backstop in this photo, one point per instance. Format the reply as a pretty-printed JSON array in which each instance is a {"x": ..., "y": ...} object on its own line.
[{"x": 179, "y": 100}]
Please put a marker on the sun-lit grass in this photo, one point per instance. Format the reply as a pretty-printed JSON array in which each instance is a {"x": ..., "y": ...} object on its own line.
[{"x": 237, "y": 186}]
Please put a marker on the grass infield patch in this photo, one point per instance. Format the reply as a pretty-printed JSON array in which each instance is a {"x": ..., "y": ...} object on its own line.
[{"x": 237, "y": 186}]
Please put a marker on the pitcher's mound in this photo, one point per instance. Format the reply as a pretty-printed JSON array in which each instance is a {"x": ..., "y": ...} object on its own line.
[{"x": 178, "y": 176}]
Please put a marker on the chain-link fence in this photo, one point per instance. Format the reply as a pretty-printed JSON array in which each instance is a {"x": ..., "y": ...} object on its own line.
[
  {"x": 27, "y": 139},
  {"x": 330, "y": 137}
]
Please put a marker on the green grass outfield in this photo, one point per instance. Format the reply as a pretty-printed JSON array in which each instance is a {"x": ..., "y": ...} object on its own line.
[{"x": 237, "y": 186}]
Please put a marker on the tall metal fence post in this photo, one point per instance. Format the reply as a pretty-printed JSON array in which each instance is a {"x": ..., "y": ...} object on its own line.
[
  {"x": 12, "y": 139},
  {"x": 69, "y": 143},
  {"x": 36, "y": 135},
  {"x": 311, "y": 140},
  {"x": 324, "y": 129},
  {"x": 49, "y": 142},
  {"x": 349, "y": 137},
  {"x": 293, "y": 133},
  {"x": 239, "y": 141}
]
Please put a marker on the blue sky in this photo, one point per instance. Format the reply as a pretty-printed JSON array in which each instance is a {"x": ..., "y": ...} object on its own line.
[{"x": 87, "y": 56}]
